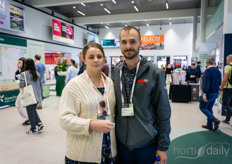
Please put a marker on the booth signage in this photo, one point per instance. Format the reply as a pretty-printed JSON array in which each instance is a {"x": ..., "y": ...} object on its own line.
[
  {"x": 152, "y": 42},
  {"x": 62, "y": 32},
  {"x": 12, "y": 16},
  {"x": 8, "y": 97}
]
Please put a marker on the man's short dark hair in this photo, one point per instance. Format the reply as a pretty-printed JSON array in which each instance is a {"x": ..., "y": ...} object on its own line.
[
  {"x": 193, "y": 64},
  {"x": 199, "y": 62},
  {"x": 37, "y": 57},
  {"x": 73, "y": 61},
  {"x": 128, "y": 28}
]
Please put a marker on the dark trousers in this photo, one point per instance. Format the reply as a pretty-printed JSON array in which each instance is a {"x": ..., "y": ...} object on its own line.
[
  {"x": 144, "y": 155},
  {"x": 207, "y": 107},
  {"x": 33, "y": 116},
  {"x": 227, "y": 102}
]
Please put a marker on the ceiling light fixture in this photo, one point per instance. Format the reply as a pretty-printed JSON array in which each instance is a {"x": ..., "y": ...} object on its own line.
[
  {"x": 74, "y": 7},
  {"x": 132, "y": 2},
  {"x": 147, "y": 24},
  {"x": 107, "y": 27},
  {"x": 107, "y": 10},
  {"x": 170, "y": 23},
  {"x": 126, "y": 25},
  {"x": 167, "y": 5},
  {"x": 136, "y": 8},
  {"x": 114, "y": 1},
  {"x": 101, "y": 4},
  {"x": 81, "y": 12},
  {"x": 83, "y": 4}
]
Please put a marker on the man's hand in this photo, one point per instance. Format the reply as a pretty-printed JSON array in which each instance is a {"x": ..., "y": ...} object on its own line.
[
  {"x": 204, "y": 98},
  {"x": 162, "y": 155}
]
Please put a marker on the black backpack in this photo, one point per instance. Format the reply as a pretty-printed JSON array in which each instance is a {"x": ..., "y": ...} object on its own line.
[{"x": 230, "y": 78}]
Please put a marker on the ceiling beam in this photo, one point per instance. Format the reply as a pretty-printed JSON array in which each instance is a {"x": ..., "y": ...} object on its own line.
[
  {"x": 49, "y": 3},
  {"x": 132, "y": 17}
]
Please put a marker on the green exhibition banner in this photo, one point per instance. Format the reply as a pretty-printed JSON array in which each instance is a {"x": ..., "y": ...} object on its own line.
[
  {"x": 13, "y": 41},
  {"x": 8, "y": 97}
]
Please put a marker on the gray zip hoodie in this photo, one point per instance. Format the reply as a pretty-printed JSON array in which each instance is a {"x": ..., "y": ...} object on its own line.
[{"x": 151, "y": 121}]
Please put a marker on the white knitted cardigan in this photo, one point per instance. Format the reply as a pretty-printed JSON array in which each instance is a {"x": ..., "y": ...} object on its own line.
[{"x": 77, "y": 107}]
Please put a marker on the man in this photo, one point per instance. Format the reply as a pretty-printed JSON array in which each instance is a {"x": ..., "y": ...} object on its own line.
[
  {"x": 211, "y": 81},
  {"x": 120, "y": 60},
  {"x": 143, "y": 111},
  {"x": 41, "y": 68},
  {"x": 71, "y": 72},
  {"x": 198, "y": 71},
  {"x": 191, "y": 74},
  {"x": 82, "y": 64},
  {"x": 227, "y": 90}
]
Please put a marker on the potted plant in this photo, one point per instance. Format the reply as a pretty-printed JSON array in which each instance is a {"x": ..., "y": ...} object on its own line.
[{"x": 62, "y": 65}]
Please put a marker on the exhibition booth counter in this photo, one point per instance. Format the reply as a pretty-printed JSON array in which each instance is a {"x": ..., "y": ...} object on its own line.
[{"x": 184, "y": 92}]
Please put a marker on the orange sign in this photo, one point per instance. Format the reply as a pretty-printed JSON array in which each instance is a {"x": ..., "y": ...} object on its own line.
[{"x": 152, "y": 42}]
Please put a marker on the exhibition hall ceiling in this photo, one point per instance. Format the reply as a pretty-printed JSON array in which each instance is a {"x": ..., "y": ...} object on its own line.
[{"x": 118, "y": 13}]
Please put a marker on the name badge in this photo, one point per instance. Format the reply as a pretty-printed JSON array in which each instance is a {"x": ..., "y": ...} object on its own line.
[{"x": 127, "y": 110}]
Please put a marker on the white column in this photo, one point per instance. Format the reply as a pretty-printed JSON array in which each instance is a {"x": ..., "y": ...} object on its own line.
[
  {"x": 227, "y": 24},
  {"x": 203, "y": 19}
]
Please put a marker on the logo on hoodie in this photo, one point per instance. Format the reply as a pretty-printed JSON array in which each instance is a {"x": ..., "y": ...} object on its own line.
[{"x": 143, "y": 81}]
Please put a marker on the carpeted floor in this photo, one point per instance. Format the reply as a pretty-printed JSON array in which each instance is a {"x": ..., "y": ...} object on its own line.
[{"x": 205, "y": 147}]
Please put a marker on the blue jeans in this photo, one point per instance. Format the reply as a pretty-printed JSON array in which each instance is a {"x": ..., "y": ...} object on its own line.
[
  {"x": 33, "y": 116},
  {"x": 207, "y": 107},
  {"x": 144, "y": 155},
  {"x": 227, "y": 102}
]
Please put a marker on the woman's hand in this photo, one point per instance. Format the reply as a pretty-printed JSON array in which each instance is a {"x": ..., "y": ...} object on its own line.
[{"x": 101, "y": 126}]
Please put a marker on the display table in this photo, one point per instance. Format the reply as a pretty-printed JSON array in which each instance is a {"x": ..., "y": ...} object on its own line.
[
  {"x": 60, "y": 84},
  {"x": 180, "y": 93},
  {"x": 8, "y": 98}
]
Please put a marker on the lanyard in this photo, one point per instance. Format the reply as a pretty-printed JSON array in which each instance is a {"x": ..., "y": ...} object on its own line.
[
  {"x": 98, "y": 106},
  {"x": 133, "y": 86}
]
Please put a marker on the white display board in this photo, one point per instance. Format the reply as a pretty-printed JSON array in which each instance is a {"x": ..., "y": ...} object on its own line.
[{"x": 8, "y": 61}]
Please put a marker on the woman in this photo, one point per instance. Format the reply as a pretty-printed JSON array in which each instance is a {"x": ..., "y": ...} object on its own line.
[
  {"x": 34, "y": 79},
  {"x": 22, "y": 111},
  {"x": 87, "y": 112}
]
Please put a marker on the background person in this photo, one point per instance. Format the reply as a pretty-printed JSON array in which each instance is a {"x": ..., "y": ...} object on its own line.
[
  {"x": 40, "y": 67},
  {"x": 71, "y": 72},
  {"x": 143, "y": 111},
  {"x": 227, "y": 89},
  {"x": 34, "y": 79},
  {"x": 121, "y": 58},
  {"x": 87, "y": 112},
  {"x": 22, "y": 111},
  {"x": 211, "y": 81},
  {"x": 105, "y": 68},
  {"x": 82, "y": 64}
]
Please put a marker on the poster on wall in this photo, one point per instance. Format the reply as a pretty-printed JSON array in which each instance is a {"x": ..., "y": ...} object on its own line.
[
  {"x": 35, "y": 48},
  {"x": 12, "y": 16},
  {"x": 62, "y": 32},
  {"x": 11, "y": 49},
  {"x": 152, "y": 42},
  {"x": 92, "y": 38},
  {"x": 10, "y": 56}
]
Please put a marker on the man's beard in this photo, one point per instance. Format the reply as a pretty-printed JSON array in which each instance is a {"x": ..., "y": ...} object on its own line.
[{"x": 133, "y": 56}]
